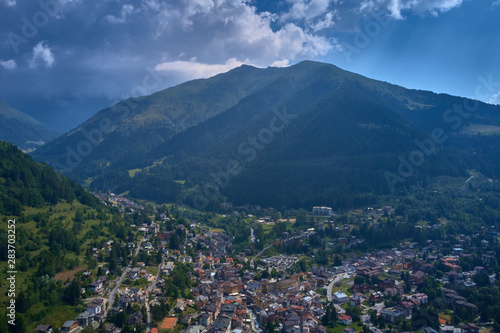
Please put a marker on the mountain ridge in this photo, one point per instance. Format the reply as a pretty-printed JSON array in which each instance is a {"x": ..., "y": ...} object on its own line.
[
  {"x": 178, "y": 138},
  {"x": 23, "y": 130}
]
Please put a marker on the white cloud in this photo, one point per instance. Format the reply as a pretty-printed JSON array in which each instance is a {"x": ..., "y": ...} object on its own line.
[
  {"x": 8, "y": 64},
  {"x": 8, "y": 3},
  {"x": 420, "y": 7},
  {"x": 496, "y": 3},
  {"x": 326, "y": 23},
  {"x": 495, "y": 99},
  {"x": 233, "y": 29},
  {"x": 126, "y": 11},
  {"x": 281, "y": 63},
  {"x": 194, "y": 70},
  {"x": 304, "y": 9},
  {"x": 42, "y": 53}
]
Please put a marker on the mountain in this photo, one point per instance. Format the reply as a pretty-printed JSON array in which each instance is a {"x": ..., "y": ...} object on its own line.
[
  {"x": 298, "y": 136},
  {"x": 22, "y": 130}
]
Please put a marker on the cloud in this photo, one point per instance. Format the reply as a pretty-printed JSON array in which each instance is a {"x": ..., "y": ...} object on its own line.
[
  {"x": 8, "y": 64},
  {"x": 233, "y": 29},
  {"x": 325, "y": 23},
  {"x": 420, "y": 7},
  {"x": 496, "y": 3},
  {"x": 193, "y": 69},
  {"x": 495, "y": 99},
  {"x": 281, "y": 63},
  {"x": 41, "y": 53},
  {"x": 126, "y": 11},
  {"x": 303, "y": 9},
  {"x": 8, "y": 3}
]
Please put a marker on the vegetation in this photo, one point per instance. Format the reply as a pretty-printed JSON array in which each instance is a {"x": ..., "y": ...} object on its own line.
[{"x": 57, "y": 225}]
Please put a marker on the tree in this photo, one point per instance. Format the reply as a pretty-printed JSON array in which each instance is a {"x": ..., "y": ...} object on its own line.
[
  {"x": 174, "y": 242},
  {"x": 71, "y": 294},
  {"x": 120, "y": 319},
  {"x": 406, "y": 326},
  {"x": 358, "y": 280},
  {"x": 301, "y": 217},
  {"x": 156, "y": 313},
  {"x": 270, "y": 326},
  {"x": 22, "y": 303}
]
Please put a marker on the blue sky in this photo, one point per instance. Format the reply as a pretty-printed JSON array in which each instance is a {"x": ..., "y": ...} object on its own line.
[{"x": 61, "y": 61}]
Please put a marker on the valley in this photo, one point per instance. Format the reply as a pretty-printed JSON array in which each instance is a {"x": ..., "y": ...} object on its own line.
[{"x": 304, "y": 199}]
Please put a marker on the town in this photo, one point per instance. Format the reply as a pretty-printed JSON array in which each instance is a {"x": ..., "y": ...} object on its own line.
[{"x": 314, "y": 272}]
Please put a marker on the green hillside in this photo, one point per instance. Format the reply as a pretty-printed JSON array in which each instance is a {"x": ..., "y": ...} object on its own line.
[{"x": 57, "y": 223}]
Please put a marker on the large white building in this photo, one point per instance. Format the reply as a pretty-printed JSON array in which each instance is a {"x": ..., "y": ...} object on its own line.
[{"x": 323, "y": 211}]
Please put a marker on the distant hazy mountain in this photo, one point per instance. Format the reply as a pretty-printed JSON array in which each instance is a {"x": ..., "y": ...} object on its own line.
[
  {"x": 298, "y": 136},
  {"x": 22, "y": 130}
]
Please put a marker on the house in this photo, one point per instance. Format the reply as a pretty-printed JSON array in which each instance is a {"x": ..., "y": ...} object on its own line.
[
  {"x": 345, "y": 319},
  {"x": 340, "y": 297},
  {"x": 111, "y": 328},
  {"x": 230, "y": 288},
  {"x": 421, "y": 297},
  {"x": 356, "y": 300},
  {"x": 390, "y": 316},
  {"x": 85, "y": 318},
  {"x": 204, "y": 319},
  {"x": 417, "y": 278},
  {"x": 319, "y": 329},
  {"x": 405, "y": 308},
  {"x": 96, "y": 286},
  {"x": 135, "y": 319},
  {"x": 376, "y": 296},
  {"x": 69, "y": 325},
  {"x": 348, "y": 330},
  {"x": 44, "y": 328},
  {"x": 470, "y": 328},
  {"x": 132, "y": 274},
  {"x": 94, "y": 308},
  {"x": 387, "y": 283},
  {"x": 221, "y": 325}
]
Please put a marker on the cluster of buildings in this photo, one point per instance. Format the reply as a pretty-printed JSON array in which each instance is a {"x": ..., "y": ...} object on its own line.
[{"x": 123, "y": 203}]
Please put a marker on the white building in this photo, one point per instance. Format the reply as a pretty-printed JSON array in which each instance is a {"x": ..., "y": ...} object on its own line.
[
  {"x": 323, "y": 211},
  {"x": 340, "y": 297}
]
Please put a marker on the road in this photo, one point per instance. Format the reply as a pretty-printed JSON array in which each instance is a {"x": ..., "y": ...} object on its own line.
[
  {"x": 258, "y": 254},
  {"x": 378, "y": 307},
  {"x": 111, "y": 297},
  {"x": 252, "y": 237},
  {"x": 148, "y": 290},
  {"x": 336, "y": 279}
]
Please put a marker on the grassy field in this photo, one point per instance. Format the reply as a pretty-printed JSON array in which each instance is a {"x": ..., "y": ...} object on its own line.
[
  {"x": 344, "y": 285},
  {"x": 340, "y": 328},
  {"x": 55, "y": 317},
  {"x": 132, "y": 173},
  {"x": 481, "y": 128},
  {"x": 152, "y": 269}
]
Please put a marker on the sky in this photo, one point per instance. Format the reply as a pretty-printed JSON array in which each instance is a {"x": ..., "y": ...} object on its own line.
[{"x": 61, "y": 61}]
